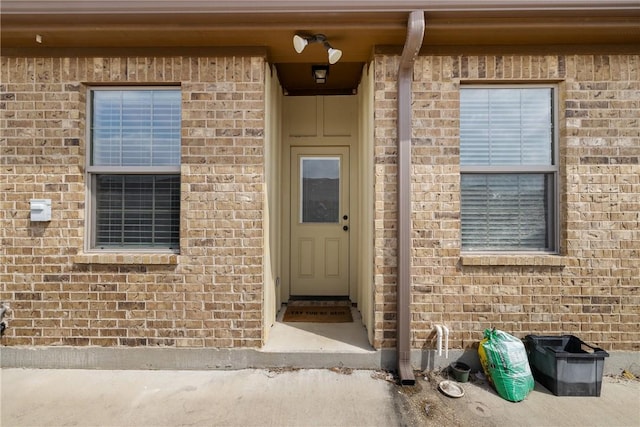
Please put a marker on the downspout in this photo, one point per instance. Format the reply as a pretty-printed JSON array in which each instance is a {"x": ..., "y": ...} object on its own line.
[{"x": 415, "y": 34}]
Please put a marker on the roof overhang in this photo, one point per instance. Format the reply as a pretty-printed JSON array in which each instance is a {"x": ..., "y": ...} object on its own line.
[
  {"x": 209, "y": 27},
  {"x": 306, "y": 6}
]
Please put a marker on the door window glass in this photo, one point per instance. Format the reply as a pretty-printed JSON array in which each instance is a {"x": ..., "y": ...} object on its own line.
[{"x": 320, "y": 189}]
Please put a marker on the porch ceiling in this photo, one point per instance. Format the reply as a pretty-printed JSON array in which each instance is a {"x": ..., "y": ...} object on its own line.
[{"x": 110, "y": 31}]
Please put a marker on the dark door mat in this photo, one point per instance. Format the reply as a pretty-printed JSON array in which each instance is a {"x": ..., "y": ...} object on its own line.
[{"x": 318, "y": 314}]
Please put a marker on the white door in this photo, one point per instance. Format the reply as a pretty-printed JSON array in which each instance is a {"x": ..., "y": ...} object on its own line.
[{"x": 319, "y": 221}]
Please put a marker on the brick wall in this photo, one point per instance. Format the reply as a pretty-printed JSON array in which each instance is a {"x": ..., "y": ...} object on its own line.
[
  {"x": 211, "y": 294},
  {"x": 592, "y": 289},
  {"x": 208, "y": 296}
]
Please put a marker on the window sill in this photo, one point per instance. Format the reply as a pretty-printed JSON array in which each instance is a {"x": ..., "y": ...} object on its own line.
[
  {"x": 515, "y": 260},
  {"x": 127, "y": 258}
]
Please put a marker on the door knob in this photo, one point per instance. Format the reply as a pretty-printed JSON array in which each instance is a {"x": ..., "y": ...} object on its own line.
[
  {"x": 345, "y": 228},
  {"x": 345, "y": 217}
]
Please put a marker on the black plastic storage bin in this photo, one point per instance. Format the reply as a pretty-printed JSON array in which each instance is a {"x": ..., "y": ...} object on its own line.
[{"x": 566, "y": 365}]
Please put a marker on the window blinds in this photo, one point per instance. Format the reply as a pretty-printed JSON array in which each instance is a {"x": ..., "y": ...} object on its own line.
[
  {"x": 506, "y": 156},
  {"x": 136, "y": 128}
]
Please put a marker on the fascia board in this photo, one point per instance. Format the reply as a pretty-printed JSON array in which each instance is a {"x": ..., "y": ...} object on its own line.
[{"x": 307, "y": 6}]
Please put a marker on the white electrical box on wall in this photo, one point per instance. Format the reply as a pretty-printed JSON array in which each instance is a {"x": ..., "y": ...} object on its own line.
[{"x": 40, "y": 209}]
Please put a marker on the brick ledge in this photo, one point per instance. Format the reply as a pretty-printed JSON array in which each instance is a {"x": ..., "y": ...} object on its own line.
[
  {"x": 524, "y": 260},
  {"x": 126, "y": 258}
]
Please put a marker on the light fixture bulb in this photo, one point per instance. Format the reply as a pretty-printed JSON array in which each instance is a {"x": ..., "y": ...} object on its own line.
[
  {"x": 299, "y": 43},
  {"x": 334, "y": 55},
  {"x": 320, "y": 73}
]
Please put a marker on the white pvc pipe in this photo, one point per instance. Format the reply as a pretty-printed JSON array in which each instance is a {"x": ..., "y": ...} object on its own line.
[
  {"x": 439, "y": 338},
  {"x": 446, "y": 341}
]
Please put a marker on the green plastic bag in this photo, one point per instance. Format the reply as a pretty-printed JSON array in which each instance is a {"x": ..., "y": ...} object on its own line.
[{"x": 505, "y": 364}]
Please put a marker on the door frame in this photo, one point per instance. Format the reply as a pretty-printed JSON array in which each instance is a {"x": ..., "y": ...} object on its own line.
[{"x": 313, "y": 107}]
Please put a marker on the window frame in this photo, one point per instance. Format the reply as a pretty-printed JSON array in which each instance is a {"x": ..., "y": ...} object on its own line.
[
  {"x": 91, "y": 173},
  {"x": 553, "y": 232}
]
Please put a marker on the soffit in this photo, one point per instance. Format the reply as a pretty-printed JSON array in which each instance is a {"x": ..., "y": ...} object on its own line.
[{"x": 355, "y": 33}]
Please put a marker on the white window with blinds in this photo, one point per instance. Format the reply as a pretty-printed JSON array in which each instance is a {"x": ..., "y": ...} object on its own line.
[
  {"x": 509, "y": 168},
  {"x": 134, "y": 168}
]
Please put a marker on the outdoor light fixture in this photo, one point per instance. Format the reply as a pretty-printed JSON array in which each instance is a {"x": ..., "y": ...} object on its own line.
[
  {"x": 320, "y": 73},
  {"x": 300, "y": 42}
]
